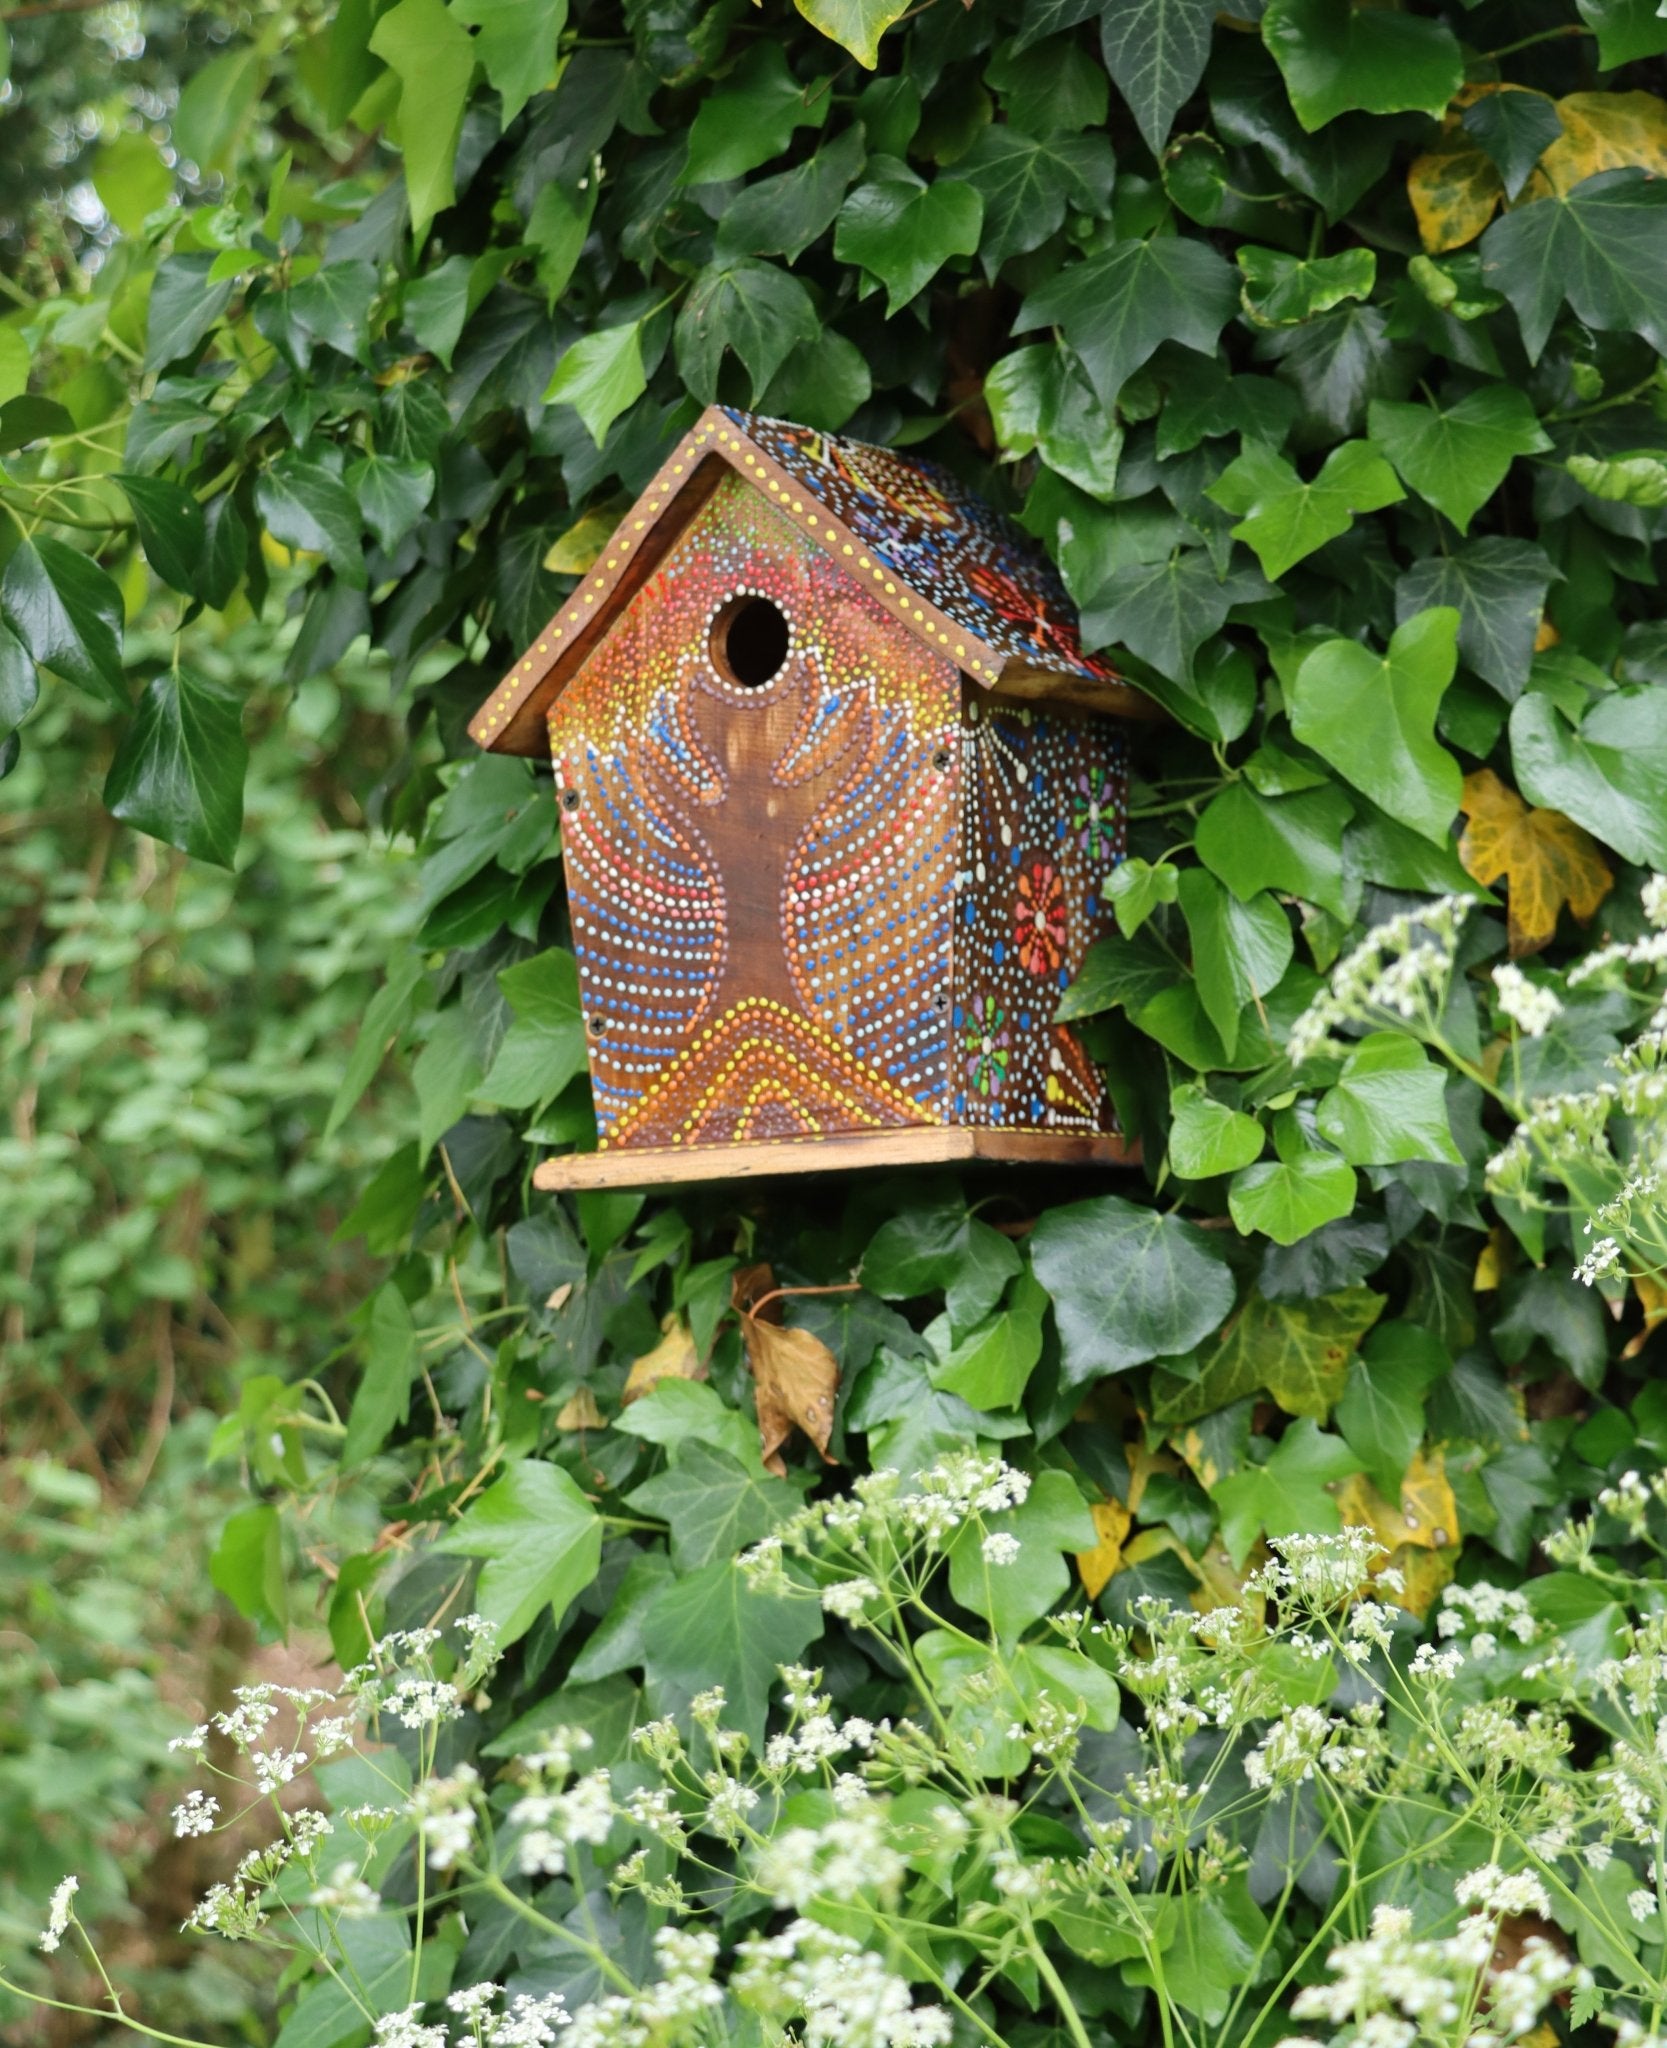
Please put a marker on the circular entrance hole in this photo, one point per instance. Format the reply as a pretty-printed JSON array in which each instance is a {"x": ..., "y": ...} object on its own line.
[{"x": 750, "y": 639}]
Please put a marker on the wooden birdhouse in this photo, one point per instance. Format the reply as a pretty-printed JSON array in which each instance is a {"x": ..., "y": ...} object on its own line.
[{"x": 838, "y": 792}]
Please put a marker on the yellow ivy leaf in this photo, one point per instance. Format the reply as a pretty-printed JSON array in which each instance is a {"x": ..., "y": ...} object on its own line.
[
  {"x": 1423, "y": 1574},
  {"x": 1490, "y": 1267},
  {"x": 1220, "y": 1584},
  {"x": 1652, "y": 1294},
  {"x": 1455, "y": 190},
  {"x": 1426, "y": 1517},
  {"x": 580, "y": 1411},
  {"x": 1603, "y": 131},
  {"x": 1099, "y": 1566},
  {"x": 1545, "y": 859},
  {"x": 1197, "y": 1458},
  {"x": 673, "y": 1358},
  {"x": 580, "y": 545},
  {"x": 1298, "y": 1351}
]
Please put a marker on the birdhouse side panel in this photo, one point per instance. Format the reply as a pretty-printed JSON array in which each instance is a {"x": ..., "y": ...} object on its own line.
[
  {"x": 760, "y": 866},
  {"x": 1045, "y": 809}
]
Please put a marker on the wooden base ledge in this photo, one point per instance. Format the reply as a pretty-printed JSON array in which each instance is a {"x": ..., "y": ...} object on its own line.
[{"x": 927, "y": 1145}]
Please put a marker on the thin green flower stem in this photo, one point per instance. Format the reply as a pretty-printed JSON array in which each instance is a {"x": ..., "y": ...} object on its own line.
[
  {"x": 1544, "y": 35},
  {"x": 1056, "y": 1984},
  {"x": 497, "y": 1889},
  {"x": 97, "y": 2012},
  {"x": 425, "y": 1756}
]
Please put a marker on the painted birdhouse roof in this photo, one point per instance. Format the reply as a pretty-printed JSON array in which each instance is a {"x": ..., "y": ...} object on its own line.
[{"x": 955, "y": 572}]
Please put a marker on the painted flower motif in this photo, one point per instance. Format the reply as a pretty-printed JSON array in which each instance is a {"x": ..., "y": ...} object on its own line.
[
  {"x": 1094, "y": 814},
  {"x": 984, "y": 1040},
  {"x": 1039, "y": 918},
  {"x": 1027, "y": 609}
]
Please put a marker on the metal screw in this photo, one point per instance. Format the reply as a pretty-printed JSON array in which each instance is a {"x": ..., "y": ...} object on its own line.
[
  {"x": 940, "y": 1000},
  {"x": 570, "y": 799},
  {"x": 941, "y": 758}
]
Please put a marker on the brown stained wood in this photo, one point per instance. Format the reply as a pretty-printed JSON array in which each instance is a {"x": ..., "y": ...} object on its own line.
[
  {"x": 1029, "y": 685},
  {"x": 925, "y": 1146}
]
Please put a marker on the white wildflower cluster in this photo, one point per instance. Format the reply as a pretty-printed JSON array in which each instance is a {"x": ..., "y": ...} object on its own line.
[
  {"x": 194, "y": 1815},
  {"x": 345, "y": 1895},
  {"x": 850, "y": 1599},
  {"x": 1001, "y": 1548},
  {"x": 1649, "y": 951},
  {"x": 850, "y": 1856},
  {"x": 673, "y": 2007},
  {"x": 444, "y": 1810},
  {"x": 526, "y": 2022},
  {"x": 1482, "y": 1613},
  {"x": 60, "y": 1911},
  {"x": 1601, "y": 1260},
  {"x": 1288, "y": 1753},
  {"x": 841, "y": 1994},
  {"x": 1392, "y": 1990},
  {"x": 556, "y": 1819},
  {"x": 1318, "y": 1572},
  {"x": 1529, "y": 1005},
  {"x": 1399, "y": 971}
]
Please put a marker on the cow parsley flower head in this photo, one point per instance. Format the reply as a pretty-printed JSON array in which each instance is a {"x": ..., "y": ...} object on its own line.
[
  {"x": 194, "y": 1815},
  {"x": 405, "y": 2030},
  {"x": 59, "y": 1913},
  {"x": 1000, "y": 1548},
  {"x": 1603, "y": 1258},
  {"x": 1531, "y": 1008}
]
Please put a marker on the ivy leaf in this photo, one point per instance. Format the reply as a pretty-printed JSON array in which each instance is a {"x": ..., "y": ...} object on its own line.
[
  {"x": 1135, "y": 888},
  {"x": 1026, "y": 184},
  {"x": 755, "y": 309},
  {"x": 216, "y": 104},
  {"x": 19, "y": 686},
  {"x": 1297, "y": 1351},
  {"x": 1128, "y": 1284},
  {"x": 179, "y": 768},
  {"x": 990, "y": 1365},
  {"x": 1602, "y": 248},
  {"x": 542, "y": 1541},
  {"x": 783, "y": 215},
  {"x": 1156, "y": 51},
  {"x": 712, "y": 1506},
  {"x": 68, "y": 614},
  {"x": 750, "y": 118},
  {"x": 1041, "y": 402},
  {"x": 1373, "y": 718},
  {"x": 184, "y": 305},
  {"x": 1515, "y": 128},
  {"x": 433, "y": 56},
  {"x": 171, "y": 529},
  {"x": 1301, "y": 1191},
  {"x": 1206, "y": 1137},
  {"x": 1626, "y": 30},
  {"x": 903, "y": 231},
  {"x": 1336, "y": 57},
  {"x": 941, "y": 1246},
  {"x": 1456, "y": 459},
  {"x": 1119, "y": 971},
  {"x": 601, "y": 376},
  {"x": 1498, "y": 587},
  {"x": 307, "y": 506},
  {"x": 856, "y": 25},
  {"x": 1281, "y": 290},
  {"x": 1545, "y": 860},
  {"x": 132, "y": 180},
  {"x": 392, "y": 495},
  {"x": 1455, "y": 191},
  {"x": 383, "y": 1395},
  {"x": 1287, "y": 1496},
  {"x": 1388, "y": 1105},
  {"x": 1381, "y": 1412},
  {"x": 248, "y": 1567},
  {"x": 1610, "y": 776},
  {"x": 544, "y": 1048},
  {"x": 1255, "y": 842},
  {"x": 1240, "y": 950},
  {"x": 516, "y": 46},
  {"x": 332, "y": 307},
  {"x": 710, "y": 1628},
  {"x": 1282, "y": 518},
  {"x": 1117, "y": 307},
  {"x": 1052, "y": 1519},
  {"x": 1164, "y": 611}
]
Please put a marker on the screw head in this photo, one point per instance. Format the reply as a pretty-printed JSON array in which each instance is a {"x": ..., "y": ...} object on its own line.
[
  {"x": 570, "y": 799},
  {"x": 941, "y": 758}
]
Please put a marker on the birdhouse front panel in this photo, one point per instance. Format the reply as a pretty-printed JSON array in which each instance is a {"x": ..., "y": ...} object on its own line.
[
  {"x": 1045, "y": 823},
  {"x": 758, "y": 781}
]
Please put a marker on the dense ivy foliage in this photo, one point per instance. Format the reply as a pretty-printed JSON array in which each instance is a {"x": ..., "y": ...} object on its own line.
[{"x": 1321, "y": 346}]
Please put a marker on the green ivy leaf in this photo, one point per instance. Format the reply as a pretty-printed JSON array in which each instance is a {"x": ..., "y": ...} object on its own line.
[
  {"x": 1602, "y": 248},
  {"x": 383, "y": 1395},
  {"x": 433, "y": 56},
  {"x": 1116, "y": 308},
  {"x": 751, "y": 118},
  {"x": 1156, "y": 51},
  {"x": 1498, "y": 587},
  {"x": 1052, "y": 1519},
  {"x": 1299, "y": 1192},
  {"x": 1041, "y": 402},
  {"x": 783, "y": 215},
  {"x": 179, "y": 768},
  {"x": 171, "y": 529},
  {"x": 248, "y": 1567},
  {"x": 1027, "y": 182},
  {"x": 392, "y": 495},
  {"x": 1610, "y": 775},
  {"x": 600, "y": 376},
  {"x": 1119, "y": 972},
  {"x": 990, "y": 1366},
  {"x": 1373, "y": 718},
  {"x": 542, "y": 1542},
  {"x": 1135, "y": 888},
  {"x": 756, "y": 309},
  {"x": 1254, "y": 842},
  {"x": 1626, "y": 30},
  {"x": 902, "y": 231},
  {"x": 1337, "y": 57},
  {"x": 1388, "y": 1105},
  {"x": 307, "y": 506},
  {"x": 516, "y": 45},
  {"x": 544, "y": 1048},
  {"x": 1455, "y": 459},
  {"x": 1206, "y": 1137},
  {"x": 131, "y": 180},
  {"x": 1281, "y": 290},
  {"x": 1297, "y": 1351},
  {"x": 1514, "y": 130},
  {"x": 940, "y": 1246},
  {"x": 68, "y": 614},
  {"x": 1282, "y": 518},
  {"x": 713, "y": 1506},
  {"x": 183, "y": 307},
  {"x": 710, "y": 1628},
  {"x": 216, "y": 106},
  {"x": 1289, "y": 1495},
  {"x": 1128, "y": 1284},
  {"x": 1164, "y": 611},
  {"x": 1240, "y": 950},
  {"x": 1381, "y": 1412},
  {"x": 19, "y": 684}
]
